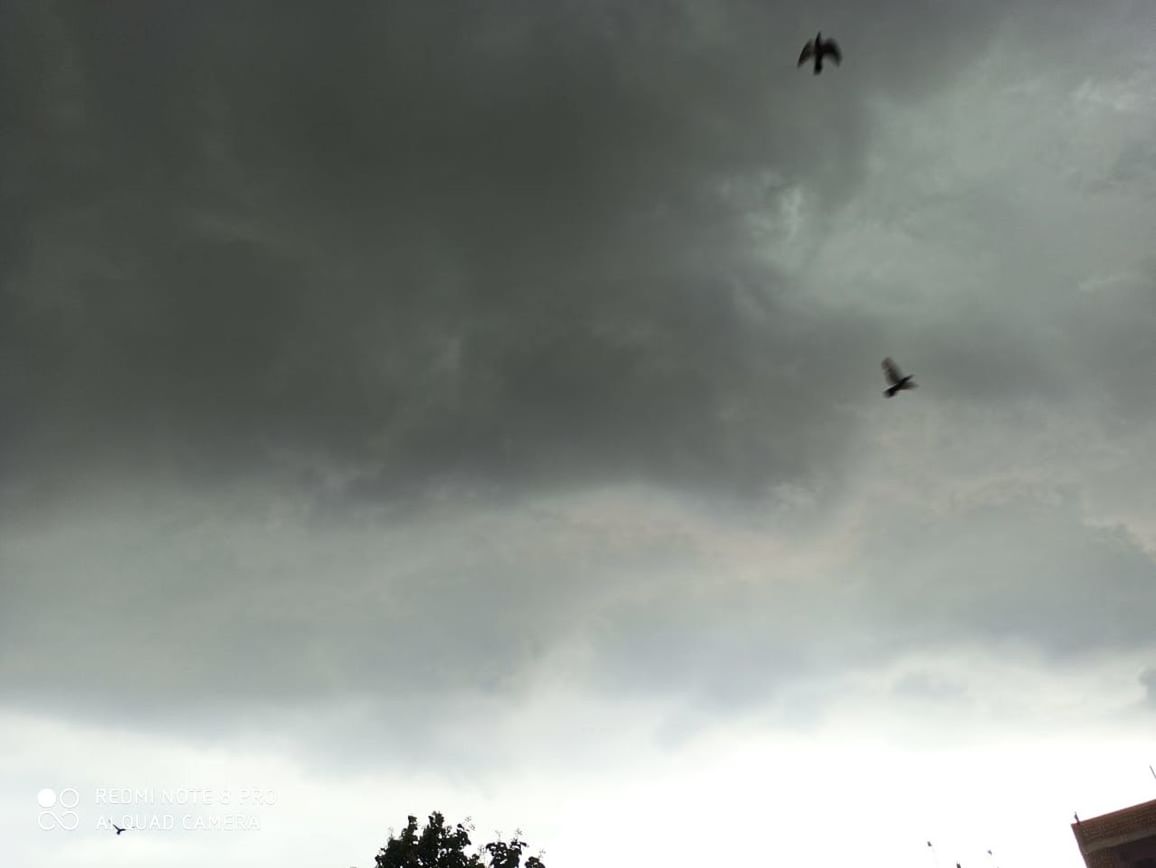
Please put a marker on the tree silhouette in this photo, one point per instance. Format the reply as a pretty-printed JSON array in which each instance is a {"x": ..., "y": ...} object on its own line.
[{"x": 440, "y": 846}]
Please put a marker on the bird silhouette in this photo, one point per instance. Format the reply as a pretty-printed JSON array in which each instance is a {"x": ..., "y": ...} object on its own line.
[
  {"x": 819, "y": 48},
  {"x": 118, "y": 828},
  {"x": 896, "y": 382}
]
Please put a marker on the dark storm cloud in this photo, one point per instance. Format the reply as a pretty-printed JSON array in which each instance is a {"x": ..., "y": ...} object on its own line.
[
  {"x": 503, "y": 243},
  {"x": 389, "y": 247}
]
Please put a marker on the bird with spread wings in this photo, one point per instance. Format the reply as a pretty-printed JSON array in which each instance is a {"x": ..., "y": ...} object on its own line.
[
  {"x": 818, "y": 49},
  {"x": 896, "y": 381}
]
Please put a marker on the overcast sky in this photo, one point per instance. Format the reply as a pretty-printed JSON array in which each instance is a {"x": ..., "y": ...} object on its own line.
[{"x": 480, "y": 410}]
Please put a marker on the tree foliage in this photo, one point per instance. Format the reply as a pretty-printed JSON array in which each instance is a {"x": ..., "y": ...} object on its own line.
[{"x": 442, "y": 846}]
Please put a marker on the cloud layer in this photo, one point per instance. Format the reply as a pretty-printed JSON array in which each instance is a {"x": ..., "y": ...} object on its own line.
[{"x": 367, "y": 364}]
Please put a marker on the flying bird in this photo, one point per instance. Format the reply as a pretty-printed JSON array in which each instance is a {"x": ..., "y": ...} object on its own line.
[
  {"x": 118, "y": 828},
  {"x": 818, "y": 48},
  {"x": 896, "y": 382}
]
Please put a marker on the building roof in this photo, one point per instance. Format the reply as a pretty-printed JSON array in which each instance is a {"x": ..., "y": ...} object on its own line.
[{"x": 1116, "y": 828}]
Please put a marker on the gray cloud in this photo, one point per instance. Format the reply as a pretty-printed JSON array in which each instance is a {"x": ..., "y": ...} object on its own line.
[
  {"x": 505, "y": 244},
  {"x": 1019, "y": 571},
  {"x": 924, "y": 686},
  {"x": 347, "y": 278},
  {"x": 1148, "y": 682},
  {"x": 202, "y": 618}
]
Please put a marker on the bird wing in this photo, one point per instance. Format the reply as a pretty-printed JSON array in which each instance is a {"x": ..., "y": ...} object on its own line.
[
  {"x": 808, "y": 52},
  {"x": 891, "y": 371},
  {"x": 831, "y": 48}
]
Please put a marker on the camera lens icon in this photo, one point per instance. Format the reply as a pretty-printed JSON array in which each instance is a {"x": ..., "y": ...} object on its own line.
[{"x": 57, "y": 809}]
